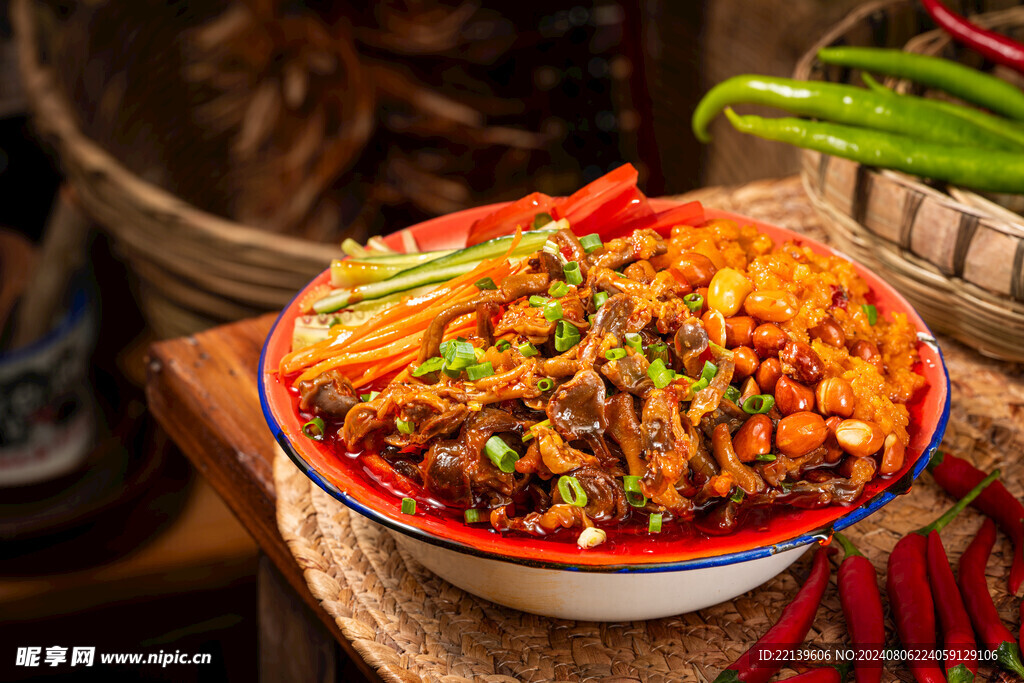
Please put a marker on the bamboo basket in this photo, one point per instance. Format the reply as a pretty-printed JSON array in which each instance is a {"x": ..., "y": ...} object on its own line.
[
  {"x": 227, "y": 146},
  {"x": 194, "y": 269},
  {"x": 955, "y": 256}
]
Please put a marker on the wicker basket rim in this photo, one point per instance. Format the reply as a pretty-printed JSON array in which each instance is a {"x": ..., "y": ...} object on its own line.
[
  {"x": 52, "y": 111},
  {"x": 804, "y": 68},
  {"x": 920, "y": 266}
]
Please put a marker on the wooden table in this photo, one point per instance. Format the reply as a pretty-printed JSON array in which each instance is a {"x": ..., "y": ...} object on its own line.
[{"x": 203, "y": 390}]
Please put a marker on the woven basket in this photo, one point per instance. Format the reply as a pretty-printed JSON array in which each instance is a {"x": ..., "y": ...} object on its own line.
[
  {"x": 961, "y": 263},
  {"x": 194, "y": 269}
]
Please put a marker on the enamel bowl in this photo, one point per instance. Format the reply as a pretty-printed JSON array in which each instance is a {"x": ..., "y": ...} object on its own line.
[{"x": 643, "y": 576}]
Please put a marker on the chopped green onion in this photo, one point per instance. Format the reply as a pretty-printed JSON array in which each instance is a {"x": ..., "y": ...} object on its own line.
[
  {"x": 599, "y": 299},
  {"x": 558, "y": 289},
  {"x": 591, "y": 242},
  {"x": 485, "y": 283},
  {"x": 460, "y": 356},
  {"x": 658, "y": 350},
  {"x": 314, "y": 429},
  {"x": 504, "y": 345},
  {"x": 871, "y": 312},
  {"x": 473, "y": 516},
  {"x": 503, "y": 457},
  {"x": 695, "y": 302},
  {"x": 732, "y": 393},
  {"x": 698, "y": 386},
  {"x": 572, "y": 491},
  {"x": 659, "y": 374},
  {"x": 615, "y": 354},
  {"x": 479, "y": 371},
  {"x": 545, "y": 384},
  {"x": 536, "y": 301},
  {"x": 765, "y": 457},
  {"x": 635, "y": 342},
  {"x": 709, "y": 371},
  {"x": 621, "y": 275},
  {"x": 737, "y": 495},
  {"x": 529, "y": 432},
  {"x": 370, "y": 396},
  {"x": 404, "y": 426},
  {"x": 654, "y": 524},
  {"x": 590, "y": 318},
  {"x": 541, "y": 219},
  {"x": 408, "y": 506},
  {"x": 572, "y": 273},
  {"x": 567, "y": 336},
  {"x": 760, "y": 403},
  {"x": 428, "y": 366},
  {"x": 552, "y": 311},
  {"x": 634, "y": 496},
  {"x": 527, "y": 349}
]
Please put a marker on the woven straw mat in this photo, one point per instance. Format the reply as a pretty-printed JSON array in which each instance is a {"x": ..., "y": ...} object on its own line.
[{"x": 413, "y": 626}]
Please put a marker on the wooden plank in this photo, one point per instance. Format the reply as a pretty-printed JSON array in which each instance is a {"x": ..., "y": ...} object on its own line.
[
  {"x": 203, "y": 390},
  {"x": 292, "y": 645}
]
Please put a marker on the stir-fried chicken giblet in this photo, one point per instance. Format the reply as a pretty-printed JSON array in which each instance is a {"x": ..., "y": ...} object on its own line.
[{"x": 606, "y": 384}]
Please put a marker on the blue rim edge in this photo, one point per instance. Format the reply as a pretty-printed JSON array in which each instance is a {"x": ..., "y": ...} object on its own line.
[{"x": 880, "y": 499}]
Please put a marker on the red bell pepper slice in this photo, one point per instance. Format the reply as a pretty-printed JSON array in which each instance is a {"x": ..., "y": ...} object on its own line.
[
  {"x": 611, "y": 206},
  {"x": 505, "y": 220},
  {"x": 662, "y": 222},
  {"x": 584, "y": 201}
]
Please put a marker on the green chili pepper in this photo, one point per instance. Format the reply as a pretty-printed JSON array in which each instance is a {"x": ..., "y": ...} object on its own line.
[
  {"x": 846, "y": 104},
  {"x": 980, "y": 169},
  {"x": 1012, "y": 130},
  {"x": 956, "y": 79}
]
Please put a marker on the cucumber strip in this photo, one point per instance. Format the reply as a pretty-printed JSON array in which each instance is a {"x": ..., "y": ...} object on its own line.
[
  {"x": 352, "y": 272},
  {"x": 531, "y": 242},
  {"x": 437, "y": 270},
  {"x": 340, "y": 298},
  {"x": 353, "y": 248},
  {"x": 411, "y": 259}
]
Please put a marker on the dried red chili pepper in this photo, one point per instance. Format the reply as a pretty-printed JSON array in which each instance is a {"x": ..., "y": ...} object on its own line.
[
  {"x": 909, "y": 593},
  {"x": 992, "y": 45},
  {"x": 974, "y": 589},
  {"x": 957, "y": 476},
  {"x": 957, "y": 635},
  {"x": 757, "y": 664},
  {"x": 862, "y": 607}
]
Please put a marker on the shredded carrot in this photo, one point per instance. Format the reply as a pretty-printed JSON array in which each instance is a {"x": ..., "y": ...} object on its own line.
[
  {"x": 392, "y": 338},
  {"x": 406, "y": 359},
  {"x": 380, "y": 371},
  {"x": 400, "y": 312}
]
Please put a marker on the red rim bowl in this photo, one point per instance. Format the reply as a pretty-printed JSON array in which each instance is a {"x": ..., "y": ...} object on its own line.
[{"x": 786, "y": 528}]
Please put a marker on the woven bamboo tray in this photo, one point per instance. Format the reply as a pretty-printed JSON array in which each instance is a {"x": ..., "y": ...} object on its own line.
[
  {"x": 411, "y": 626},
  {"x": 960, "y": 263},
  {"x": 194, "y": 269}
]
